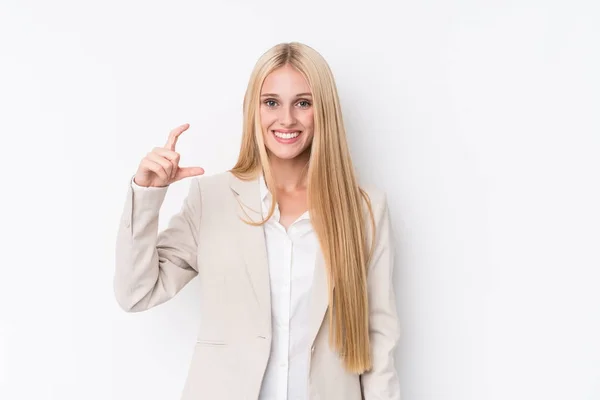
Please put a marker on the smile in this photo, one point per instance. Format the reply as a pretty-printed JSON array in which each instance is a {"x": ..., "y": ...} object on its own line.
[{"x": 286, "y": 135}]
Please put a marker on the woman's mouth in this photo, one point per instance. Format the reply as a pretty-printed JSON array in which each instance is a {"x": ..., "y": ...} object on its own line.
[{"x": 286, "y": 137}]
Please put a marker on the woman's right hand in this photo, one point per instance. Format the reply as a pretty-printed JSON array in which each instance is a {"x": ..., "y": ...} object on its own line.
[{"x": 160, "y": 167}]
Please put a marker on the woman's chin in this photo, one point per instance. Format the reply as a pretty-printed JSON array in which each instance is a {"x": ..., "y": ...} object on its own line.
[
  {"x": 288, "y": 152},
  {"x": 285, "y": 154}
]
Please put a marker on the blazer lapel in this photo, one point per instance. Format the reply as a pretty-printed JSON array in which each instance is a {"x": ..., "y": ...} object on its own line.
[{"x": 251, "y": 241}]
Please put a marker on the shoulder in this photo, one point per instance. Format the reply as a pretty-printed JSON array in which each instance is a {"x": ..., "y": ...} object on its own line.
[
  {"x": 211, "y": 182},
  {"x": 378, "y": 214},
  {"x": 377, "y": 197}
]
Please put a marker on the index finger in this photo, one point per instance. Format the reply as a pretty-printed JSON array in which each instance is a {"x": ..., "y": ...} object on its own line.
[{"x": 172, "y": 141}]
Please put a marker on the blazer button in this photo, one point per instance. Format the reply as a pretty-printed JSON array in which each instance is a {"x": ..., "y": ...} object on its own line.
[{"x": 312, "y": 349}]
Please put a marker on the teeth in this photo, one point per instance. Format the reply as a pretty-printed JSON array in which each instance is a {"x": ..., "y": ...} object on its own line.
[{"x": 282, "y": 135}]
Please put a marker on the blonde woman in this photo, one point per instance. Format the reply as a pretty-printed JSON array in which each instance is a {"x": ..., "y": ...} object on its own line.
[{"x": 294, "y": 258}]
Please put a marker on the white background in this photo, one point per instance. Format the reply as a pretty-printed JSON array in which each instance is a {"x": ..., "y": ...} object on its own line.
[{"x": 480, "y": 119}]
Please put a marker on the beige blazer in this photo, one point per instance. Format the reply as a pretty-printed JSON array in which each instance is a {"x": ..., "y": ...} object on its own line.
[{"x": 206, "y": 238}]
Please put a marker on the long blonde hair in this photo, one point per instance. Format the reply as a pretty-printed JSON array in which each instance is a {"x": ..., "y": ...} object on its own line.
[{"x": 334, "y": 197}]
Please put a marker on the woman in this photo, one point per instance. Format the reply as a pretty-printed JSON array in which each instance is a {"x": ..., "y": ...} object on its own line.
[{"x": 294, "y": 258}]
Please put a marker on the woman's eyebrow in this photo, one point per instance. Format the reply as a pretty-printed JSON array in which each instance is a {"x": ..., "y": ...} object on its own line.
[{"x": 276, "y": 95}]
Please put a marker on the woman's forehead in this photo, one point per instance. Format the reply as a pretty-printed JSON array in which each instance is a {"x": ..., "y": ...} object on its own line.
[{"x": 285, "y": 80}]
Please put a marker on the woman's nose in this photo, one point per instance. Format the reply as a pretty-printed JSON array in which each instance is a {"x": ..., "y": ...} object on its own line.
[{"x": 287, "y": 117}]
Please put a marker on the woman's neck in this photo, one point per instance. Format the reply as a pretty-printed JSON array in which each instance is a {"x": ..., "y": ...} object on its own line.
[{"x": 290, "y": 175}]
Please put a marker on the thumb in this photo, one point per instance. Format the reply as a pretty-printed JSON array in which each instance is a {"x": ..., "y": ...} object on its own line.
[{"x": 188, "y": 172}]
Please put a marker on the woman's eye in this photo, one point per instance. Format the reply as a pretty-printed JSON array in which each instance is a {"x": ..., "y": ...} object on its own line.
[{"x": 273, "y": 103}]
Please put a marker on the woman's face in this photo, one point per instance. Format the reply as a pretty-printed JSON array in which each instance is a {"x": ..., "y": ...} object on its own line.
[{"x": 286, "y": 113}]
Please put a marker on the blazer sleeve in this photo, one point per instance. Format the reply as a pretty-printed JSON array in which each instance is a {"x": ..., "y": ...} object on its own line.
[
  {"x": 382, "y": 382},
  {"x": 152, "y": 267}
]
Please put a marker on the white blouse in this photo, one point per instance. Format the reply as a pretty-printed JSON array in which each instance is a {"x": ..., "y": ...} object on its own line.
[{"x": 291, "y": 257}]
